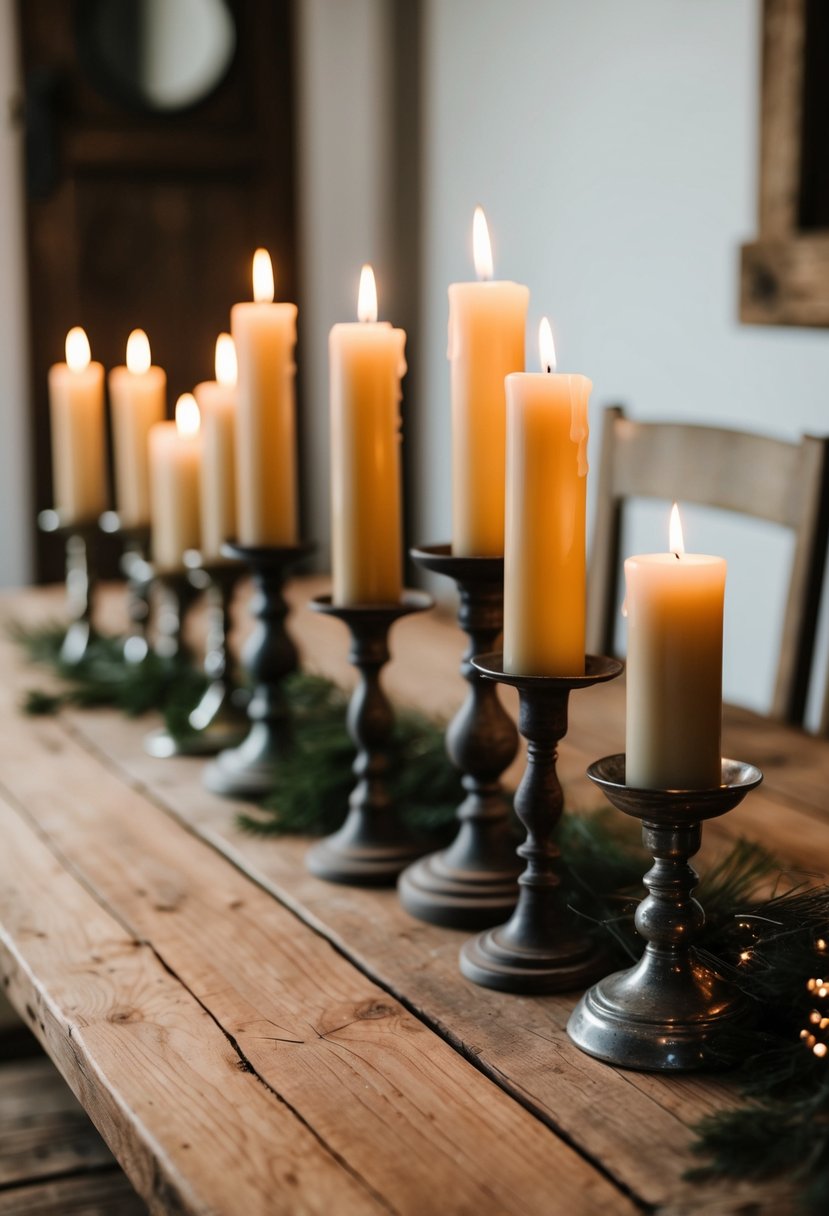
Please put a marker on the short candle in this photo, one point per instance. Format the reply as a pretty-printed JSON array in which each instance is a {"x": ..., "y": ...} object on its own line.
[
  {"x": 367, "y": 360},
  {"x": 175, "y": 458},
  {"x": 217, "y": 405},
  {"x": 487, "y": 322},
  {"x": 137, "y": 402},
  {"x": 674, "y": 606},
  {"x": 546, "y": 489},
  {"x": 76, "y": 408}
]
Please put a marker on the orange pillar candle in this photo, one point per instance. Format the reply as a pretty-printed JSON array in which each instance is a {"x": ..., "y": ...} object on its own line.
[
  {"x": 486, "y": 342},
  {"x": 674, "y": 605},
  {"x": 367, "y": 364},
  {"x": 76, "y": 407},
  {"x": 264, "y": 334},
  {"x": 137, "y": 402},
  {"x": 217, "y": 405},
  {"x": 175, "y": 457},
  {"x": 544, "y": 560}
]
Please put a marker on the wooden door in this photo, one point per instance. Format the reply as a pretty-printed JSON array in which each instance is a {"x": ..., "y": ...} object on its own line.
[{"x": 147, "y": 217}]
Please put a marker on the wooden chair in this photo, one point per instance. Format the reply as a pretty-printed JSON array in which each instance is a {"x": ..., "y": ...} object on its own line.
[{"x": 771, "y": 479}]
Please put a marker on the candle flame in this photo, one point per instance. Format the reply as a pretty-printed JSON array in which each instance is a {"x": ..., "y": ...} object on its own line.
[
  {"x": 226, "y": 366},
  {"x": 187, "y": 416},
  {"x": 676, "y": 543},
  {"x": 546, "y": 346},
  {"x": 367, "y": 295},
  {"x": 262, "y": 277},
  {"x": 139, "y": 359},
  {"x": 481, "y": 246},
  {"x": 78, "y": 353}
]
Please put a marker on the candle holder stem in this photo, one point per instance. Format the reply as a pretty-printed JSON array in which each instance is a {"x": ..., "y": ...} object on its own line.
[
  {"x": 541, "y": 948},
  {"x": 175, "y": 597},
  {"x": 249, "y": 770},
  {"x": 80, "y": 583},
  {"x": 374, "y": 844},
  {"x": 135, "y": 539},
  {"x": 671, "y": 1011},
  {"x": 474, "y": 882}
]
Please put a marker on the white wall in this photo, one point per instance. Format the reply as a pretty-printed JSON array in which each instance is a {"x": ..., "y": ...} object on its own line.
[
  {"x": 15, "y": 489},
  {"x": 613, "y": 146}
]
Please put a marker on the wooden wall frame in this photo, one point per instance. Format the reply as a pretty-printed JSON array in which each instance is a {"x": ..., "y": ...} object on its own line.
[{"x": 785, "y": 272}]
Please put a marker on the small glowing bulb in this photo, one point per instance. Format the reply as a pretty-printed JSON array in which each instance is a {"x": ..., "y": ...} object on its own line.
[
  {"x": 263, "y": 289},
  {"x": 226, "y": 366},
  {"x": 367, "y": 295},
  {"x": 820, "y": 1050},
  {"x": 481, "y": 245},
  {"x": 745, "y": 956},
  {"x": 546, "y": 346},
  {"x": 676, "y": 542},
  {"x": 139, "y": 359},
  {"x": 821, "y": 944},
  {"x": 814, "y": 1017},
  {"x": 187, "y": 416},
  {"x": 78, "y": 353}
]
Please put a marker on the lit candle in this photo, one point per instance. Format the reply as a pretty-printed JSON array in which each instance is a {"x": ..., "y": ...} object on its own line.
[
  {"x": 137, "y": 402},
  {"x": 76, "y": 407},
  {"x": 217, "y": 405},
  {"x": 367, "y": 365},
  {"x": 544, "y": 560},
  {"x": 486, "y": 342},
  {"x": 674, "y": 605},
  {"x": 175, "y": 457},
  {"x": 265, "y": 336}
]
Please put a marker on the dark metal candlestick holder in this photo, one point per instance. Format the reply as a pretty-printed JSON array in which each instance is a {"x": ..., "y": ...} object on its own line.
[
  {"x": 220, "y": 719},
  {"x": 473, "y": 883},
  {"x": 174, "y": 597},
  {"x": 135, "y": 540},
  {"x": 540, "y": 948},
  {"x": 671, "y": 1011},
  {"x": 373, "y": 845},
  {"x": 80, "y": 582},
  {"x": 249, "y": 770}
]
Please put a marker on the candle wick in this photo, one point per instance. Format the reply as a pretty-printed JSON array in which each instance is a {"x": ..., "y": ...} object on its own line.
[
  {"x": 549, "y": 369},
  {"x": 676, "y": 555}
]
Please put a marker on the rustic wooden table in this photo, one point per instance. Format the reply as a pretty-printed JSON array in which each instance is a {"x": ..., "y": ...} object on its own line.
[{"x": 251, "y": 1040}]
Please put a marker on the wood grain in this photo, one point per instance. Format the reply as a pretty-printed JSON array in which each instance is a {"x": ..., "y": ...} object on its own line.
[{"x": 97, "y": 1195}]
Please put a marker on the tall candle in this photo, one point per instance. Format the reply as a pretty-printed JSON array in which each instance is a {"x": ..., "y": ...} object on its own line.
[
  {"x": 217, "y": 406},
  {"x": 175, "y": 457},
  {"x": 76, "y": 407},
  {"x": 486, "y": 342},
  {"x": 265, "y": 336},
  {"x": 544, "y": 560},
  {"x": 137, "y": 402},
  {"x": 367, "y": 364},
  {"x": 674, "y": 605}
]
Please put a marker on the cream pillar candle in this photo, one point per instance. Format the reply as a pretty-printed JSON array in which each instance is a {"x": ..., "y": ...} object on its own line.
[
  {"x": 486, "y": 342},
  {"x": 76, "y": 407},
  {"x": 544, "y": 560},
  {"x": 265, "y": 336},
  {"x": 137, "y": 402},
  {"x": 367, "y": 363},
  {"x": 217, "y": 406},
  {"x": 175, "y": 457},
  {"x": 674, "y": 605}
]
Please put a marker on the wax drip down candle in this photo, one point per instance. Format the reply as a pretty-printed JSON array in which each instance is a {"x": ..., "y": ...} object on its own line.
[
  {"x": 674, "y": 606},
  {"x": 546, "y": 488}
]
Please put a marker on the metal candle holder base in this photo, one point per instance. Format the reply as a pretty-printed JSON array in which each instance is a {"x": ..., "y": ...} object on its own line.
[
  {"x": 670, "y": 1012},
  {"x": 373, "y": 845},
  {"x": 249, "y": 770},
  {"x": 220, "y": 719},
  {"x": 541, "y": 948},
  {"x": 135, "y": 540},
  {"x": 80, "y": 583},
  {"x": 473, "y": 883}
]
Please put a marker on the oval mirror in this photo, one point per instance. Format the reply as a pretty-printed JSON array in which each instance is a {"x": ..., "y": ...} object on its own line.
[{"x": 159, "y": 55}]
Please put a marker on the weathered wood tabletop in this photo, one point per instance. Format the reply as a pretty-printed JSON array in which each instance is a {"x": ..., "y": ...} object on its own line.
[{"x": 250, "y": 1040}]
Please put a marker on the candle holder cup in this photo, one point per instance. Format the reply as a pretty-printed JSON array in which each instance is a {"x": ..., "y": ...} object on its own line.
[
  {"x": 135, "y": 541},
  {"x": 77, "y": 537},
  {"x": 671, "y": 1011},
  {"x": 220, "y": 718},
  {"x": 541, "y": 948},
  {"x": 474, "y": 882},
  {"x": 249, "y": 770},
  {"x": 374, "y": 844}
]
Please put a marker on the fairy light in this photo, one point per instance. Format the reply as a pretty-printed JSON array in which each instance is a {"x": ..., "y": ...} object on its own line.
[{"x": 814, "y": 1036}]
